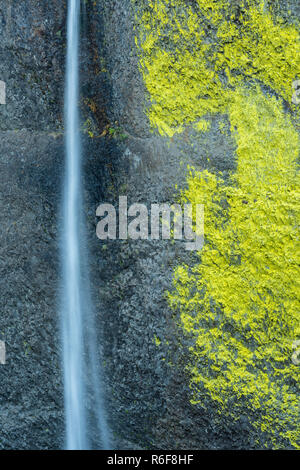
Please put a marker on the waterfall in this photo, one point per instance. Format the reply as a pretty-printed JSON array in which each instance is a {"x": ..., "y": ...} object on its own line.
[
  {"x": 73, "y": 347},
  {"x": 82, "y": 376}
]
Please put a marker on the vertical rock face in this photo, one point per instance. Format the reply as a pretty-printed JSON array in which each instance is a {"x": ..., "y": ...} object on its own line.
[
  {"x": 145, "y": 355},
  {"x": 148, "y": 390},
  {"x": 141, "y": 349},
  {"x": 32, "y": 62},
  {"x": 31, "y": 162}
]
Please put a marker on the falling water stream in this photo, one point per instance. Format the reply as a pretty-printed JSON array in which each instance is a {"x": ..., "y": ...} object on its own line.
[{"x": 82, "y": 377}]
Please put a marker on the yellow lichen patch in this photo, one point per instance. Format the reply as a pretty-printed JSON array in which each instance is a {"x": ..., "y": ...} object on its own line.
[
  {"x": 240, "y": 303},
  {"x": 260, "y": 49},
  {"x": 181, "y": 87},
  {"x": 188, "y": 76},
  {"x": 245, "y": 313}
]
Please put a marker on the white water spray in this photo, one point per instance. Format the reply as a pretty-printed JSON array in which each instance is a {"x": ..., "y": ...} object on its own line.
[{"x": 79, "y": 339}]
